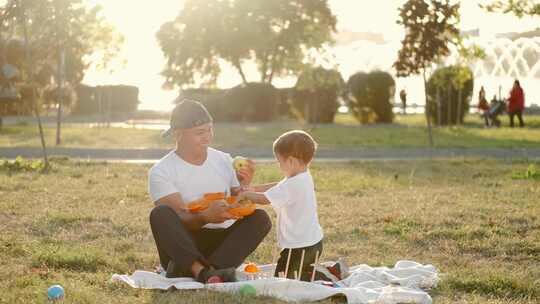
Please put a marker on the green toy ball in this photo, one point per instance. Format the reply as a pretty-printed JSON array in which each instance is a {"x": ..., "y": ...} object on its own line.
[{"x": 248, "y": 291}]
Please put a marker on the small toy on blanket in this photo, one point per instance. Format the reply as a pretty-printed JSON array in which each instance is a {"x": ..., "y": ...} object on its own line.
[
  {"x": 247, "y": 290},
  {"x": 251, "y": 268},
  {"x": 405, "y": 282}
]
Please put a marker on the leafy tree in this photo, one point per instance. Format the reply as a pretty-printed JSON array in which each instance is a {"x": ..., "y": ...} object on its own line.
[
  {"x": 519, "y": 8},
  {"x": 276, "y": 35},
  {"x": 51, "y": 28},
  {"x": 62, "y": 25},
  {"x": 430, "y": 26}
]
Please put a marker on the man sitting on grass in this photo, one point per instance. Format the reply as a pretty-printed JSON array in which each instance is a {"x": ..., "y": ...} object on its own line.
[{"x": 212, "y": 243}]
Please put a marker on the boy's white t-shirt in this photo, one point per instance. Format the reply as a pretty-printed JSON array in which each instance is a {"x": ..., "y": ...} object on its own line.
[
  {"x": 296, "y": 206},
  {"x": 172, "y": 174}
]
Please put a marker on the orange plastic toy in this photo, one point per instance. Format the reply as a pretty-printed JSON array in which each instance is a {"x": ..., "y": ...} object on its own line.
[
  {"x": 214, "y": 196},
  {"x": 247, "y": 207},
  {"x": 251, "y": 268},
  {"x": 202, "y": 204}
]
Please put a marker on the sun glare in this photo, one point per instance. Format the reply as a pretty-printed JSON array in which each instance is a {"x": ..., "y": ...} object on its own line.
[{"x": 139, "y": 21}]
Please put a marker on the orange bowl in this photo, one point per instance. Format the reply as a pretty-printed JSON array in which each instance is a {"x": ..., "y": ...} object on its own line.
[
  {"x": 245, "y": 210},
  {"x": 198, "y": 205},
  {"x": 202, "y": 204}
]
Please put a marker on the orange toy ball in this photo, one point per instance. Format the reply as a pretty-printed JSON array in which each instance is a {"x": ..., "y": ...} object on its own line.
[{"x": 251, "y": 268}]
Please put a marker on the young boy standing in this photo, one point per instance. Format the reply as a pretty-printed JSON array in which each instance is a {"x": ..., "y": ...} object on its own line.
[{"x": 299, "y": 234}]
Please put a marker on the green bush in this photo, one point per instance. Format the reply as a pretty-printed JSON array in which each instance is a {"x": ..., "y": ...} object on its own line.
[
  {"x": 449, "y": 92},
  {"x": 371, "y": 95},
  {"x": 530, "y": 173},
  {"x": 211, "y": 98},
  {"x": 106, "y": 99},
  {"x": 315, "y": 99},
  {"x": 21, "y": 165},
  {"x": 253, "y": 102}
]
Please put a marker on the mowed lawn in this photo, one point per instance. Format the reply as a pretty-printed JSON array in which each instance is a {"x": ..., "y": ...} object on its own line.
[
  {"x": 407, "y": 132},
  {"x": 84, "y": 221}
]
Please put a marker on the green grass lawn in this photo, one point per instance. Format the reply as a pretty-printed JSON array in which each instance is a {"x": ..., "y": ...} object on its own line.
[
  {"x": 82, "y": 222},
  {"x": 407, "y": 132}
]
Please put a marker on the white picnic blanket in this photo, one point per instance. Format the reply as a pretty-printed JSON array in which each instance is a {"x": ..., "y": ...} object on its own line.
[{"x": 406, "y": 282}]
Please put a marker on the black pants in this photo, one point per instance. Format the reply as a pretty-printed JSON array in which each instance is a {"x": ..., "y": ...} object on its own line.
[
  {"x": 219, "y": 248},
  {"x": 519, "y": 115},
  {"x": 310, "y": 254},
  {"x": 485, "y": 115}
]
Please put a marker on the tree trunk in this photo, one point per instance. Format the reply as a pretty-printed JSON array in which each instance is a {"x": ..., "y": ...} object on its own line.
[
  {"x": 439, "y": 102},
  {"x": 449, "y": 106},
  {"x": 238, "y": 66},
  {"x": 428, "y": 118},
  {"x": 460, "y": 107},
  {"x": 60, "y": 96},
  {"x": 264, "y": 69},
  {"x": 99, "y": 97},
  {"x": 29, "y": 78},
  {"x": 108, "y": 94},
  {"x": 272, "y": 69}
]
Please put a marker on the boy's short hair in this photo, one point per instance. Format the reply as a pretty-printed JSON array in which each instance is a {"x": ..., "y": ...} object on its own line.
[{"x": 296, "y": 143}]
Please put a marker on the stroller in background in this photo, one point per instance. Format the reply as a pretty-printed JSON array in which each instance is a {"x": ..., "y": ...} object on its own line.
[{"x": 496, "y": 108}]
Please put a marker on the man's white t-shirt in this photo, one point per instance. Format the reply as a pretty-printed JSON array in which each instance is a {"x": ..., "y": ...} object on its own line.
[
  {"x": 296, "y": 206},
  {"x": 172, "y": 174}
]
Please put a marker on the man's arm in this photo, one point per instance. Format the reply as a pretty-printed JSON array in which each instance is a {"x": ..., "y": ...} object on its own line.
[{"x": 216, "y": 212}]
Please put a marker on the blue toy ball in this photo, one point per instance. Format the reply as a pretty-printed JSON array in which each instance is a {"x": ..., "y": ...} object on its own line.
[{"x": 55, "y": 292}]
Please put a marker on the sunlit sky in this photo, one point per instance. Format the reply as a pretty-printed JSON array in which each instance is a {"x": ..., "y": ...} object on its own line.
[{"x": 139, "y": 21}]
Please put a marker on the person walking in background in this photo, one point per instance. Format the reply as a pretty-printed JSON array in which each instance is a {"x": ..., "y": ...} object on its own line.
[
  {"x": 483, "y": 106},
  {"x": 403, "y": 97},
  {"x": 516, "y": 104}
]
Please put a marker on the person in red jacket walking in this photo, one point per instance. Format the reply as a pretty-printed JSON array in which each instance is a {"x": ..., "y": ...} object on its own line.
[{"x": 516, "y": 104}]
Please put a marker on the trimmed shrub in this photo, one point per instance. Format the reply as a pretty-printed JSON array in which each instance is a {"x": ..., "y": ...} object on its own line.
[
  {"x": 449, "y": 92},
  {"x": 315, "y": 99},
  {"x": 253, "y": 102},
  {"x": 371, "y": 95},
  {"x": 103, "y": 99}
]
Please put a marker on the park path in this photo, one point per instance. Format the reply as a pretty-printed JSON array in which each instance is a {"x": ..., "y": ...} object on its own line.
[{"x": 151, "y": 155}]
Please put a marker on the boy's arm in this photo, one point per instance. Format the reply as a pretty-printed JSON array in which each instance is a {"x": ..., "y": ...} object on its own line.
[
  {"x": 263, "y": 187},
  {"x": 256, "y": 197}
]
